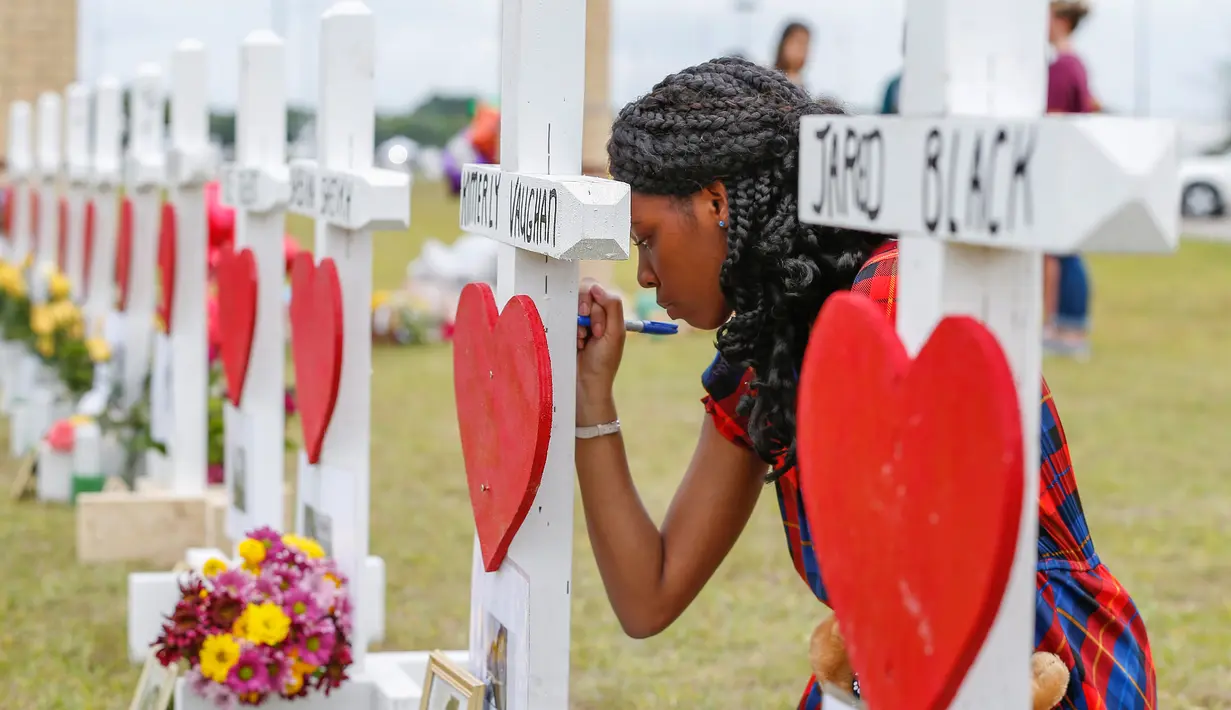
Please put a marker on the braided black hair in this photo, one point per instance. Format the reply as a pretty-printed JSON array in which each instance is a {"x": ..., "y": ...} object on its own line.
[{"x": 731, "y": 121}]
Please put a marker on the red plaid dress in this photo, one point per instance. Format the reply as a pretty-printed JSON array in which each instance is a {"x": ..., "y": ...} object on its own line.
[{"x": 1082, "y": 613}]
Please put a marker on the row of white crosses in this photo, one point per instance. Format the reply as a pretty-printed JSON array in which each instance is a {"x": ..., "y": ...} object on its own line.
[
  {"x": 541, "y": 94},
  {"x": 980, "y": 188}
]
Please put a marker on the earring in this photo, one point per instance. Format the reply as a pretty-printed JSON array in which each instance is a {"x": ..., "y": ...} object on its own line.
[{"x": 722, "y": 223}]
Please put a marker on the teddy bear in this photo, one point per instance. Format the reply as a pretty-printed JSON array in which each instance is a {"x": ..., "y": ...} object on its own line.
[{"x": 831, "y": 666}]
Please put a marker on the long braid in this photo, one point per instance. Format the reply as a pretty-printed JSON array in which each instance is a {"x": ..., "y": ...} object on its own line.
[{"x": 733, "y": 121}]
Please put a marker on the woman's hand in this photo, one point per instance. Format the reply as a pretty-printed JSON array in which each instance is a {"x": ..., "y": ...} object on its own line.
[{"x": 601, "y": 346}]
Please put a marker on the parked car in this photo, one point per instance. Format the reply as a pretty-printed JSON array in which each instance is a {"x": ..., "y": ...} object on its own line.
[{"x": 1205, "y": 186}]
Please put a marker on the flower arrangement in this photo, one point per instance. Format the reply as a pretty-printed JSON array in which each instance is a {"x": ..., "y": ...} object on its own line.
[
  {"x": 58, "y": 327},
  {"x": 277, "y": 626},
  {"x": 14, "y": 303}
]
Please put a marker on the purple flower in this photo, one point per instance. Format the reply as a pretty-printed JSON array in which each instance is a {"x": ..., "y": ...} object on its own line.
[
  {"x": 250, "y": 674},
  {"x": 269, "y": 536},
  {"x": 300, "y": 605},
  {"x": 317, "y": 645}
]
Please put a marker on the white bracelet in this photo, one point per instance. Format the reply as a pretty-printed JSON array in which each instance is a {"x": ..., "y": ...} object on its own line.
[{"x": 591, "y": 432}]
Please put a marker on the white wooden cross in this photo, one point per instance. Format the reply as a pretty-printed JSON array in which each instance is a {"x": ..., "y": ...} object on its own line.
[
  {"x": 182, "y": 364},
  {"x": 50, "y": 135},
  {"x": 348, "y": 198},
  {"x": 77, "y": 165},
  {"x": 980, "y": 187},
  {"x": 20, "y": 169},
  {"x": 105, "y": 177},
  {"x": 258, "y": 188},
  {"x": 541, "y": 94},
  {"x": 145, "y": 166}
]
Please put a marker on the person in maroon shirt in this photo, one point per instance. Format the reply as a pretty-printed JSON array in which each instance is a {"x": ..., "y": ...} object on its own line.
[{"x": 1066, "y": 285}]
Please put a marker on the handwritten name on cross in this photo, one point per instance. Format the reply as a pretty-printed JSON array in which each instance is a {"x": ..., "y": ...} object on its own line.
[
  {"x": 979, "y": 187},
  {"x": 547, "y": 218}
]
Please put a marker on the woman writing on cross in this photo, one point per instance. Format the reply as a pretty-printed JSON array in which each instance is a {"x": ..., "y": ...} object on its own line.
[{"x": 711, "y": 154}]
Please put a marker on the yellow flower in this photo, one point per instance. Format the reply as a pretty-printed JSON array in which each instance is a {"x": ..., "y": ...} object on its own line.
[
  {"x": 76, "y": 330},
  {"x": 59, "y": 286},
  {"x": 99, "y": 350},
  {"x": 42, "y": 321},
  {"x": 333, "y": 578},
  {"x": 214, "y": 567},
  {"x": 253, "y": 552},
  {"x": 45, "y": 346},
  {"x": 77, "y": 419},
  {"x": 218, "y": 655},
  {"x": 306, "y": 545},
  {"x": 264, "y": 623},
  {"x": 294, "y": 684}
]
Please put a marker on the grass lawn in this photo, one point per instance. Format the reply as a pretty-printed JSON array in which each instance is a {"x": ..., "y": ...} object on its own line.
[{"x": 1144, "y": 419}]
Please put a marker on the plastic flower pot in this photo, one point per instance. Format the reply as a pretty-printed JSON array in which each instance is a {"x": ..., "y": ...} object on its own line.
[{"x": 86, "y": 483}]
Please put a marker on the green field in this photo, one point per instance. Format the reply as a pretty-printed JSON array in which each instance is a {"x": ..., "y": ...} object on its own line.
[{"x": 1144, "y": 417}]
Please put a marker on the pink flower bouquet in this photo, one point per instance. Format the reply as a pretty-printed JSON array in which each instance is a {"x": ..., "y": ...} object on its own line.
[{"x": 277, "y": 626}]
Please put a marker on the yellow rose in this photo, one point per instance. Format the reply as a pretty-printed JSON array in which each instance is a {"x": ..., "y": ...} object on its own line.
[
  {"x": 76, "y": 330},
  {"x": 42, "y": 321},
  {"x": 59, "y": 286},
  {"x": 45, "y": 346},
  {"x": 99, "y": 350}
]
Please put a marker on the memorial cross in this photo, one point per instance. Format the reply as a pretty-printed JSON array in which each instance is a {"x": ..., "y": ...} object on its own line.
[
  {"x": 77, "y": 165},
  {"x": 980, "y": 187},
  {"x": 547, "y": 217},
  {"x": 105, "y": 179},
  {"x": 145, "y": 165},
  {"x": 184, "y": 373},
  {"x": 347, "y": 198},
  {"x": 20, "y": 169},
  {"x": 258, "y": 188},
  {"x": 49, "y": 158}
]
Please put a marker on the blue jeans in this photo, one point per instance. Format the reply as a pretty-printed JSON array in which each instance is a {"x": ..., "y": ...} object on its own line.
[{"x": 1073, "y": 304}]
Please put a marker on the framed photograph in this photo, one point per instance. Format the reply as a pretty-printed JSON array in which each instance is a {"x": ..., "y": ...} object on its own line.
[
  {"x": 243, "y": 513},
  {"x": 500, "y": 634},
  {"x": 156, "y": 685},
  {"x": 448, "y": 686},
  {"x": 838, "y": 699},
  {"x": 23, "y": 483}
]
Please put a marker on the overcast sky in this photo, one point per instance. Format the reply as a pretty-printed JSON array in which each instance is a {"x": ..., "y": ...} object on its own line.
[{"x": 425, "y": 46}]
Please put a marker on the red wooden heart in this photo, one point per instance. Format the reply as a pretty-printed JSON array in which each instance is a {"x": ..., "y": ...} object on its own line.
[
  {"x": 34, "y": 222},
  {"x": 62, "y": 237},
  {"x": 912, "y": 479},
  {"x": 10, "y": 194},
  {"x": 166, "y": 265},
  {"x": 123, "y": 253},
  {"x": 88, "y": 247},
  {"x": 237, "y": 294},
  {"x": 502, "y": 386},
  {"x": 316, "y": 346}
]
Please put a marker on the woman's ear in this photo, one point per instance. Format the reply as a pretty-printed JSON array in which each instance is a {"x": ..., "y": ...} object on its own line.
[{"x": 714, "y": 203}]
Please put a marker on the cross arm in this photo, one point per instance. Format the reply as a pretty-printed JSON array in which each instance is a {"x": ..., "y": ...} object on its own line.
[{"x": 563, "y": 217}]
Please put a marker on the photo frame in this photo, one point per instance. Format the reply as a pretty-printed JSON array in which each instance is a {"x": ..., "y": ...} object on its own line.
[
  {"x": 500, "y": 634},
  {"x": 23, "y": 482},
  {"x": 448, "y": 686},
  {"x": 156, "y": 685},
  {"x": 837, "y": 699}
]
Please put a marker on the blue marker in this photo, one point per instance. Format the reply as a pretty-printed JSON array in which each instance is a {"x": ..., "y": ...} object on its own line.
[{"x": 651, "y": 327}]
